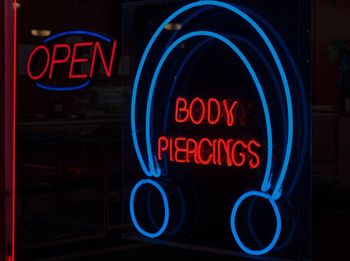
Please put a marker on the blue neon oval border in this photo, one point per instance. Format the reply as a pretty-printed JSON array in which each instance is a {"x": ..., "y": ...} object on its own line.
[
  {"x": 59, "y": 35},
  {"x": 77, "y": 32},
  {"x": 70, "y": 88}
]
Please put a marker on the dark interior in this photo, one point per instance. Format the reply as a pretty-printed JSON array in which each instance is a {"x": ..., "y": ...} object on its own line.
[{"x": 74, "y": 149}]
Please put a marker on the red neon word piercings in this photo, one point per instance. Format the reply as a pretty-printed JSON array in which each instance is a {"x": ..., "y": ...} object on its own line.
[
  {"x": 212, "y": 111},
  {"x": 69, "y": 54},
  {"x": 237, "y": 153}
]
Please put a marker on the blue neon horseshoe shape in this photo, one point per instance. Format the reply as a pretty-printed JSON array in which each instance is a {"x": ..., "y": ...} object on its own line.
[{"x": 151, "y": 171}]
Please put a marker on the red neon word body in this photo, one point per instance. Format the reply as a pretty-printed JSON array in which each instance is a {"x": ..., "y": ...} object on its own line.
[
  {"x": 212, "y": 111},
  {"x": 236, "y": 153},
  {"x": 72, "y": 58}
]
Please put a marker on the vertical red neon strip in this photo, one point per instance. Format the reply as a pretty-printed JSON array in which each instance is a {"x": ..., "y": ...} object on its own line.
[
  {"x": 10, "y": 69},
  {"x": 14, "y": 121}
]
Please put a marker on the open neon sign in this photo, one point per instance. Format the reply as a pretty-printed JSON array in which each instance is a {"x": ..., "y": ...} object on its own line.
[
  {"x": 231, "y": 152},
  {"x": 67, "y": 57}
]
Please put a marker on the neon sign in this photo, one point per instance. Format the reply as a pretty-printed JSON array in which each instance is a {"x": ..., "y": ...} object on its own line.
[
  {"x": 237, "y": 153},
  {"x": 67, "y": 57},
  {"x": 231, "y": 152},
  {"x": 212, "y": 111}
]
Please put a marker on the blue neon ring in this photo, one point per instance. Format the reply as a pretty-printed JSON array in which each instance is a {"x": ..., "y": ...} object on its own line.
[
  {"x": 166, "y": 208},
  {"x": 278, "y": 222}
]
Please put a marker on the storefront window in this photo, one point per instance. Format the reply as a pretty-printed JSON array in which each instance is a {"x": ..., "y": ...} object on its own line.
[{"x": 69, "y": 139}]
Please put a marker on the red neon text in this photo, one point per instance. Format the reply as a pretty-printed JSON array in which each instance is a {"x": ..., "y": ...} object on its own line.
[
  {"x": 212, "y": 111},
  {"x": 68, "y": 54},
  {"x": 231, "y": 153}
]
